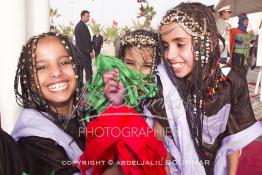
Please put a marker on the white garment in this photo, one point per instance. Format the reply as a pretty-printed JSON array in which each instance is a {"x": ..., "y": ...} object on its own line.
[
  {"x": 223, "y": 29},
  {"x": 181, "y": 147},
  {"x": 32, "y": 123},
  {"x": 90, "y": 30},
  {"x": 259, "y": 48}
]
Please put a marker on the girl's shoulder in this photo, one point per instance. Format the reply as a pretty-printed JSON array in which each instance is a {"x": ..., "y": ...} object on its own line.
[
  {"x": 237, "y": 77},
  {"x": 228, "y": 91}
]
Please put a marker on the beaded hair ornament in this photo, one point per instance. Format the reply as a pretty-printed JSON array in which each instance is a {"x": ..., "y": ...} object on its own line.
[
  {"x": 206, "y": 76},
  {"x": 140, "y": 41},
  {"x": 200, "y": 34},
  {"x": 201, "y": 42}
]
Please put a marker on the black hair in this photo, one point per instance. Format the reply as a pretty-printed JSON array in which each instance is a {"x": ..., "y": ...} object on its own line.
[
  {"x": 84, "y": 12},
  {"x": 28, "y": 94},
  {"x": 194, "y": 88},
  {"x": 157, "y": 46}
]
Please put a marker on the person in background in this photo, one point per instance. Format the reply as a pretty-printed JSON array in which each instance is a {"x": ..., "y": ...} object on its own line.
[
  {"x": 83, "y": 42},
  {"x": 240, "y": 43},
  {"x": 97, "y": 42},
  {"x": 223, "y": 28}
]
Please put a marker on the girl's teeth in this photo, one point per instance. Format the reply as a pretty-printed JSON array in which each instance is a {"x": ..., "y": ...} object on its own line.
[
  {"x": 178, "y": 65},
  {"x": 58, "y": 87}
]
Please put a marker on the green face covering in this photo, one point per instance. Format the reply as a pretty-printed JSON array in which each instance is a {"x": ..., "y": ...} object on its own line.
[{"x": 133, "y": 82}]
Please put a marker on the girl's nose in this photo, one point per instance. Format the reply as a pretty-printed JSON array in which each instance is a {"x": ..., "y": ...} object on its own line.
[
  {"x": 56, "y": 72},
  {"x": 171, "y": 53}
]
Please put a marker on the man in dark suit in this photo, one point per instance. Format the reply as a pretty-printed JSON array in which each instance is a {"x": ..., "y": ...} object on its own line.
[{"x": 84, "y": 44}]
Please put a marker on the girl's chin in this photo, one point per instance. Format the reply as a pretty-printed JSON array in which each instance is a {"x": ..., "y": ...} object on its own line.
[{"x": 180, "y": 74}]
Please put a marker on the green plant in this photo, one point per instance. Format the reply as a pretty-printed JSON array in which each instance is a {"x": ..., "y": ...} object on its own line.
[
  {"x": 137, "y": 25},
  {"x": 66, "y": 30},
  {"x": 96, "y": 27},
  {"x": 110, "y": 33},
  {"x": 53, "y": 13},
  {"x": 146, "y": 11}
]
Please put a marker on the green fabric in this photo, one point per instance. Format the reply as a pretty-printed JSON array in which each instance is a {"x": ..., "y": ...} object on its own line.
[
  {"x": 52, "y": 173},
  {"x": 132, "y": 81},
  {"x": 244, "y": 48}
]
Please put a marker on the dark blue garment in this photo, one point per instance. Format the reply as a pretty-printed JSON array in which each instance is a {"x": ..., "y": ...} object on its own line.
[{"x": 241, "y": 26}]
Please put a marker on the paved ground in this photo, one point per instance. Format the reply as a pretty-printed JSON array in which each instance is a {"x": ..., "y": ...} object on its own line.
[{"x": 256, "y": 103}]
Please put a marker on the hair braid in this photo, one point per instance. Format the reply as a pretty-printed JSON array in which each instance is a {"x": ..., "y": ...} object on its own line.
[
  {"x": 198, "y": 21},
  {"x": 28, "y": 94}
]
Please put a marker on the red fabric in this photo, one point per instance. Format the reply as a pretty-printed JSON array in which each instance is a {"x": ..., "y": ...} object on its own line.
[
  {"x": 250, "y": 162},
  {"x": 140, "y": 145},
  {"x": 233, "y": 34}
]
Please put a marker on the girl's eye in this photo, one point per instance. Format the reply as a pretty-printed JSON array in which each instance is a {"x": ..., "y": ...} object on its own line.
[
  {"x": 165, "y": 46},
  {"x": 148, "y": 66},
  {"x": 180, "y": 45},
  {"x": 41, "y": 68},
  {"x": 65, "y": 62},
  {"x": 129, "y": 63}
]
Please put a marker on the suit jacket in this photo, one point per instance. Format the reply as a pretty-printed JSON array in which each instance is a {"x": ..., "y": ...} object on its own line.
[
  {"x": 97, "y": 42},
  {"x": 83, "y": 38}
]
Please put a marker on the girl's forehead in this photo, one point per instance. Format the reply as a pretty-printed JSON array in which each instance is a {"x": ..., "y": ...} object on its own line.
[
  {"x": 139, "y": 49},
  {"x": 137, "y": 53},
  {"x": 50, "y": 47},
  {"x": 49, "y": 39},
  {"x": 167, "y": 28},
  {"x": 49, "y": 42},
  {"x": 173, "y": 31}
]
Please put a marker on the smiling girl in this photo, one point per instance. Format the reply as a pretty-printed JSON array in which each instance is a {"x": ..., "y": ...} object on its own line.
[
  {"x": 214, "y": 120},
  {"x": 47, "y": 84},
  {"x": 140, "y": 52},
  {"x": 207, "y": 107}
]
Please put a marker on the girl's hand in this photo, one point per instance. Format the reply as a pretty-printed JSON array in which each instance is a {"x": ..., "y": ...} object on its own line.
[{"x": 114, "y": 90}]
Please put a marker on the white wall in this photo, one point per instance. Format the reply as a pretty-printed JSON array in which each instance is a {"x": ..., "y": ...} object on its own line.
[
  {"x": 20, "y": 19},
  {"x": 37, "y": 16}
]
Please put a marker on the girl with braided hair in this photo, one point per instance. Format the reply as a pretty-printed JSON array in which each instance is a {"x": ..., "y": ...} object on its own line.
[
  {"x": 47, "y": 85},
  {"x": 208, "y": 110},
  {"x": 140, "y": 50},
  {"x": 140, "y": 54},
  {"x": 218, "y": 120}
]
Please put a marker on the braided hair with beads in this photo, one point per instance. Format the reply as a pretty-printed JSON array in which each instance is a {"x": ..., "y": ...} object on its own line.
[
  {"x": 206, "y": 78},
  {"x": 140, "y": 39},
  {"x": 26, "y": 85}
]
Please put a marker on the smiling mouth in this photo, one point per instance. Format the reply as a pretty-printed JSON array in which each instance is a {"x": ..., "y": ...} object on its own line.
[
  {"x": 178, "y": 65},
  {"x": 58, "y": 87}
]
